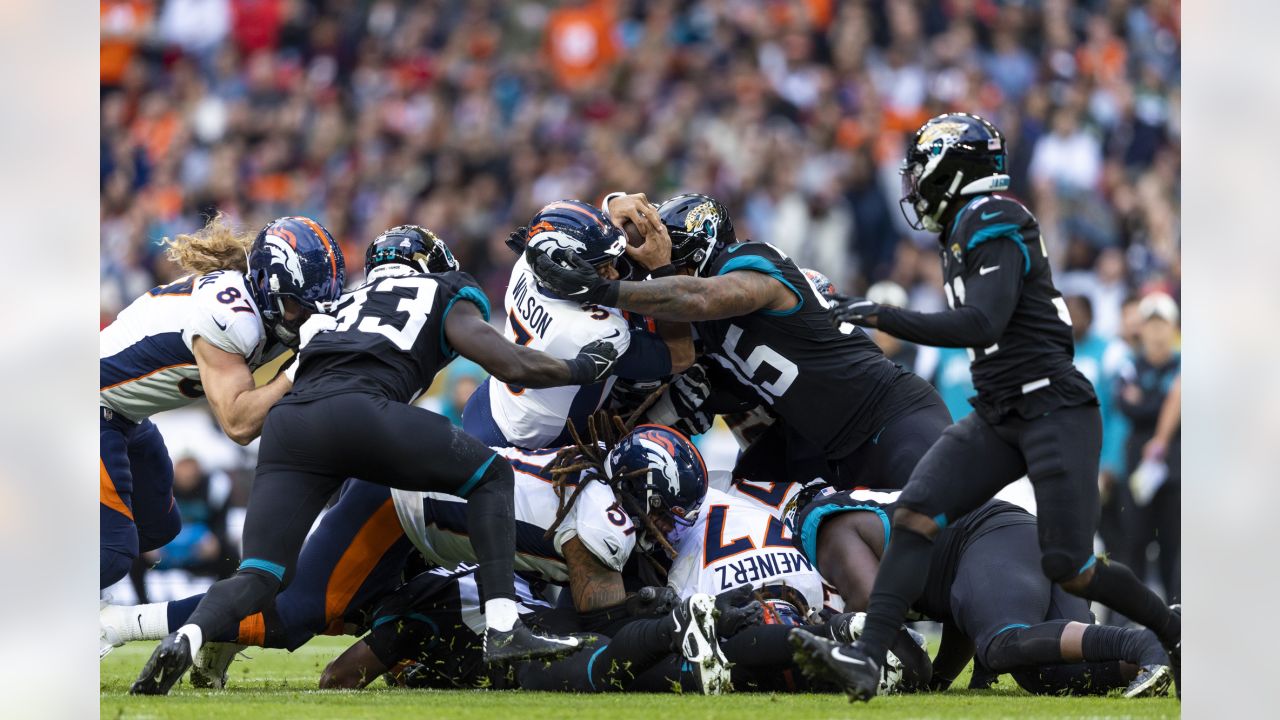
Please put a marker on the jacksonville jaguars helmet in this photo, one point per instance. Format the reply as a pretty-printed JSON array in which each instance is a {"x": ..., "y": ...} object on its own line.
[
  {"x": 699, "y": 226},
  {"x": 950, "y": 156},
  {"x": 580, "y": 228},
  {"x": 411, "y": 245},
  {"x": 294, "y": 257},
  {"x": 676, "y": 481}
]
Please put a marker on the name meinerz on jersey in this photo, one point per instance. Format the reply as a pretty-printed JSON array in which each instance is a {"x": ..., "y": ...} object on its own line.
[
  {"x": 761, "y": 567},
  {"x": 537, "y": 318}
]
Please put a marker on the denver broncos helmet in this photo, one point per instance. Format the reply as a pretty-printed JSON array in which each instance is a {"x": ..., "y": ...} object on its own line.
[
  {"x": 410, "y": 245},
  {"x": 294, "y": 257},
  {"x": 699, "y": 226},
  {"x": 675, "y": 482},
  {"x": 952, "y": 155},
  {"x": 580, "y": 228}
]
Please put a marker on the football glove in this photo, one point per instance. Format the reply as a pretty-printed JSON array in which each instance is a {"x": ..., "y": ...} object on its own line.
[
  {"x": 568, "y": 275},
  {"x": 738, "y": 610},
  {"x": 593, "y": 363},
  {"x": 679, "y": 407},
  {"x": 517, "y": 239},
  {"x": 855, "y": 310},
  {"x": 316, "y": 324},
  {"x": 652, "y": 601}
]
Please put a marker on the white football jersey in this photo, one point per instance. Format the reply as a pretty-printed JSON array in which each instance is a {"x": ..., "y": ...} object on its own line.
[
  {"x": 535, "y": 418},
  {"x": 737, "y": 541},
  {"x": 436, "y": 523},
  {"x": 146, "y": 363}
]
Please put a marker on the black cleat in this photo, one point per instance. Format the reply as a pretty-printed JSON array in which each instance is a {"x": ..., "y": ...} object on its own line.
[
  {"x": 695, "y": 638},
  {"x": 165, "y": 667},
  {"x": 1175, "y": 654},
  {"x": 521, "y": 643},
  {"x": 848, "y": 666},
  {"x": 1152, "y": 680}
]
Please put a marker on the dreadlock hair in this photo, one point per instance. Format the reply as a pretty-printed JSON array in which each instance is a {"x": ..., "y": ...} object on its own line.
[
  {"x": 216, "y": 246},
  {"x": 604, "y": 430}
]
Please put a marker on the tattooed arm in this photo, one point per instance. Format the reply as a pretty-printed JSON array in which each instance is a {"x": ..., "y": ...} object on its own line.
[
  {"x": 687, "y": 298},
  {"x": 593, "y": 585}
]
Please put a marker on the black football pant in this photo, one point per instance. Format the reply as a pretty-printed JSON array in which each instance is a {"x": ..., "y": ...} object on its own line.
[
  {"x": 307, "y": 452},
  {"x": 886, "y": 460}
]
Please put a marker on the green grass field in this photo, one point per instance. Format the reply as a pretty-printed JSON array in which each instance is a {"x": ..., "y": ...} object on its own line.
[{"x": 277, "y": 684}]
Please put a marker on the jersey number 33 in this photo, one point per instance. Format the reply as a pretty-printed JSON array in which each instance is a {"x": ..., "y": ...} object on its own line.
[{"x": 375, "y": 309}]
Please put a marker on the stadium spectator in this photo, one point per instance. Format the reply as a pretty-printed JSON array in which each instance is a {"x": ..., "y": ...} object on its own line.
[{"x": 202, "y": 547}]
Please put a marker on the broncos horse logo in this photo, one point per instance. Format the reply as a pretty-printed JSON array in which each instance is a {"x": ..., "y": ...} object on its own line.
[{"x": 284, "y": 254}]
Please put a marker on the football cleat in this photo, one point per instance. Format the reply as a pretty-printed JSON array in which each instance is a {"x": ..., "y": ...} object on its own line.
[
  {"x": 521, "y": 643},
  {"x": 108, "y": 634},
  {"x": 848, "y": 666},
  {"x": 1175, "y": 654},
  {"x": 1152, "y": 680},
  {"x": 210, "y": 669},
  {"x": 165, "y": 666},
  {"x": 695, "y": 639}
]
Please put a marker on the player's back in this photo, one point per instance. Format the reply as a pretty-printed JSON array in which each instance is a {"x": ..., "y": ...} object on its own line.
[
  {"x": 536, "y": 418},
  {"x": 147, "y": 362},
  {"x": 737, "y": 541},
  {"x": 824, "y": 383},
  {"x": 1036, "y": 347},
  {"x": 390, "y": 338}
]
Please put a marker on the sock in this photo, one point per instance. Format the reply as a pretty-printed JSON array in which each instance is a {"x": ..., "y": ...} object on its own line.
[
  {"x": 491, "y": 514},
  {"x": 899, "y": 582},
  {"x": 500, "y": 614},
  {"x": 1138, "y": 646},
  {"x": 180, "y": 610},
  {"x": 1115, "y": 586},
  {"x": 195, "y": 636},
  {"x": 151, "y": 621},
  {"x": 1025, "y": 647}
]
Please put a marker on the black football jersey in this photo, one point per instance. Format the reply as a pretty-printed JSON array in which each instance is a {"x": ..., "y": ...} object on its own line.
[
  {"x": 825, "y": 384},
  {"x": 1036, "y": 347},
  {"x": 390, "y": 337}
]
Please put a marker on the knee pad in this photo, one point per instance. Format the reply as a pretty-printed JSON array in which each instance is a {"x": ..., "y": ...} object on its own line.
[
  {"x": 161, "y": 531},
  {"x": 1059, "y": 567},
  {"x": 1022, "y": 647},
  {"x": 112, "y": 566}
]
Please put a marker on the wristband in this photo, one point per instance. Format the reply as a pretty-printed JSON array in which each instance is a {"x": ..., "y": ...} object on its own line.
[
  {"x": 604, "y": 204},
  {"x": 665, "y": 271}
]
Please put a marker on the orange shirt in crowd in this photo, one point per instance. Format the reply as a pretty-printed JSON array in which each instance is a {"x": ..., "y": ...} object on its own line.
[
  {"x": 122, "y": 21},
  {"x": 579, "y": 42}
]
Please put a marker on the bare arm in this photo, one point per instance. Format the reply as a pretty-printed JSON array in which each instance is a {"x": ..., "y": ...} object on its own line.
[
  {"x": 593, "y": 585},
  {"x": 679, "y": 339},
  {"x": 1169, "y": 421},
  {"x": 689, "y": 299},
  {"x": 475, "y": 339},
  {"x": 355, "y": 668},
  {"x": 239, "y": 407},
  {"x": 847, "y": 559}
]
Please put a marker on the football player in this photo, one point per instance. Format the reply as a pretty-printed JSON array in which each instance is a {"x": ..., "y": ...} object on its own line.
[
  {"x": 984, "y": 583},
  {"x": 762, "y": 321},
  {"x": 349, "y": 415},
  {"x": 1035, "y": 413},
  {"x": 199, "y": 336},
  {"x": 509, "y": 415}
]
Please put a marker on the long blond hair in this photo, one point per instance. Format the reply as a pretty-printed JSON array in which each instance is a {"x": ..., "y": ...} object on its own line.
[{"x": 216, "y": 246}]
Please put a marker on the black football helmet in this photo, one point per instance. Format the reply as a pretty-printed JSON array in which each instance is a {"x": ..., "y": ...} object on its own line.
[
  {"x": 952, "y": 155},
  {"x": 699, "y": 226},
  {"x": 411, "y": 245}
]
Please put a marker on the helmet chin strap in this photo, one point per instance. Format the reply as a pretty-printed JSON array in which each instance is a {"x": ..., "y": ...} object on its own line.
[{"x": 930, "y": 221}]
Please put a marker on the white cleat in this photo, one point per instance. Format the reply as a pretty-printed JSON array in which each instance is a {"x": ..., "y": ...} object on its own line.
[
  {"x": 695, "y": 621},
  {"x": 212, "y": 661},
  {"x": 108, "y": 630}
]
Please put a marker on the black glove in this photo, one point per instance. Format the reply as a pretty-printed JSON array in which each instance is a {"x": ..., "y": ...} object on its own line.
[
  {"x": 652, "y": 601},
  {"x": 568, "y": 275},
  {"x": 738, "y": 610},
  {"x": 680, "y": 405},
  {"x": 854, "y": 310},
  {"x": 517, "y": 239},
  {"x": 593, "y": 363}
]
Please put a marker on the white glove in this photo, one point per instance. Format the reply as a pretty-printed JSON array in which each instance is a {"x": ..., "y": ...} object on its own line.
[{"x": 314, "y": 325}]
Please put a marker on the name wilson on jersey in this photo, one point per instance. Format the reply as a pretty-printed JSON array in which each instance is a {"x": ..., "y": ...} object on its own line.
[{"x": 535, "y": 317}]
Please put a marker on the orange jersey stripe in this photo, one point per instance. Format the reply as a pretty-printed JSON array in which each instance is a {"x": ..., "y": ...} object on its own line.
[
  {"x": 378, "y": 534},
  {"x": 107, "y": 494},
  {"x": 153, "y": 372}
]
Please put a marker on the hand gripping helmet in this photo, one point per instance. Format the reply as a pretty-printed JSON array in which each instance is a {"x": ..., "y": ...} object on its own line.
[
  {"x": 699, "y": 226},
  {"x": 580, "y": 228},
  {"x": 952, "y": 155},
  {"x": 294, "y": 257},
  {"x": 411, "y": 245},
  {"x": 675, "y": 482}
]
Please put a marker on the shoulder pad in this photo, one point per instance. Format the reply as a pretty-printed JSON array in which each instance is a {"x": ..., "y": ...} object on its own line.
[
  {"x": 602, "y": 526},
  {"x": 224, "y": 314}
]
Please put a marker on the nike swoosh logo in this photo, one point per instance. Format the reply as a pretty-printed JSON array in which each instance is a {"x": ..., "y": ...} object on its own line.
[
  {"x": 220, "y": 325},
  {"x": 139, "y": 622},
  {"x": 734, "y": 248},
  {"x": 845, "y": 658},
  {"x": 988, "y": 216},
  {"x": 985, "y": 270}
]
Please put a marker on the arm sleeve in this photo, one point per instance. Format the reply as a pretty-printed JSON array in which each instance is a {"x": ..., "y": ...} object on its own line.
[
  {"x": 983, "y": 312},
  {"x": 648, "y": 358}
]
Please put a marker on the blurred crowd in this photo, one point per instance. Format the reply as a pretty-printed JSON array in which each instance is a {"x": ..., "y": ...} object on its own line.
[{"x": 467, "y": 115}]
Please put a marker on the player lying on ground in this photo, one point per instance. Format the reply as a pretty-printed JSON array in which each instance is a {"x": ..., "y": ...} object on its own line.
[
  {"x": 199, "y": 336},
  {"x": 760, "y": 319},
  {"x": 985, "y": 586},
  {"x": 507, "y": 415},
  {"x": 348, "y": 415},
  {"x": 1036, "y": 415}
]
